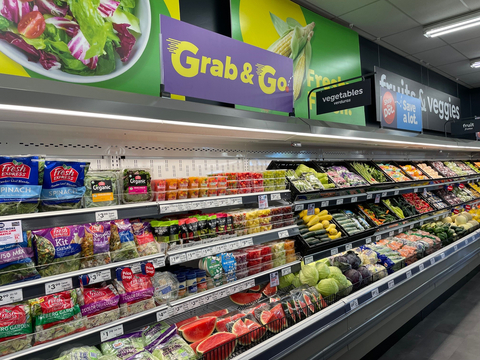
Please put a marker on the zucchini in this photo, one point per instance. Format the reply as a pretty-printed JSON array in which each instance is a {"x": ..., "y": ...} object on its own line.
[
  {"x": 304, "y": 231},
  {"x": 309, "y": 234},
  {"x": 299, "y": 222},
  {"x": 302, "y": 226},
  {"x": 320, "y": 232}
]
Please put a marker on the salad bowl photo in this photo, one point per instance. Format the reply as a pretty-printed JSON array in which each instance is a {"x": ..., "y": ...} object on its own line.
[{"x": 72, "y": 40}]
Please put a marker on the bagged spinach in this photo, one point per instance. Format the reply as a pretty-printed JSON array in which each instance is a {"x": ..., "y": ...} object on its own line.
[
  {"x": 58, "y": 250},
  {"x": 122, "y": 241},
  {"x": 96, "y": 245},
  {"x": 137, "y": 185},
  {"x": 63, "y": 185},
  {"x": 20, "y": 184},
  {"x": 16, "y": 257},
  {"x": 101, "y": 189}
]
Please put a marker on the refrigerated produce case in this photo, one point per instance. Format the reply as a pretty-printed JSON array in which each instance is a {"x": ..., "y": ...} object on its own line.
[{"x": 353, "y": 320}]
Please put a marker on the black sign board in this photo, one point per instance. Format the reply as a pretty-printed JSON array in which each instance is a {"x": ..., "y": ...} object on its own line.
[
  {"x": 437, "y": 107},
  {"x": 344, "y": 97},
  {"x": 465, "y": 127}
]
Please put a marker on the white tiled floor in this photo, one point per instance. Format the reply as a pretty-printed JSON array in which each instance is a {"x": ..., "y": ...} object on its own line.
[{"x": 451, "y": 332}]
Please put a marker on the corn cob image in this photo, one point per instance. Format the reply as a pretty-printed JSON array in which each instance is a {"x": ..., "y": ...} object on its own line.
[
  {"x": 300, "y": 67},
  {"x": 293, "y": 36}
]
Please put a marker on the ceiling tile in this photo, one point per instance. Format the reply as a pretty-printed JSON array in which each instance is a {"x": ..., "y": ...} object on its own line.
[
  {"x": 461, "y": 35},
  {"x": 428, "y": 11},
  {"x": 469, "y": 48},
  {"x": 392, "y": 48},
  {"x": 412, "y": 41},
  {"x": 440, "y": 56},
  {"x": 380, "y": 19},
  {"x": 458, "y": 68},
  {"x": 471, "y": 78},
  {"x": 475, "y": 85},
  {"x": 364, "y": 34},
  {"x": 340, "y": 7}
]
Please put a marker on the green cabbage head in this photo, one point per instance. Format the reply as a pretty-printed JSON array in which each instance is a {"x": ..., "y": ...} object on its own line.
[
  {"x": 286, "y": 281},
  {"x": 323, "y": 270},
  {"x": 309, "y": 275},
  {"x": 327, "y": 287}
]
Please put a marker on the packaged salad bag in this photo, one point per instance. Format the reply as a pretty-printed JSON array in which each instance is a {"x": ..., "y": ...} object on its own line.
[
  {"x": 101, "y": 189},
  {"x": 63, "y": 185},
  {"x": 15, "y": 328},
  {"x": 124, "y": 346},
  {"x": 122, "y": 241},
  {"x": 56, "y": 315},
  {"x": 16, "y": 253},
  {"x": 135, "y": 290},
  {"x": 96, "y": 245},
  {"x": 98, "y": 303},
  {"x": 20, "y": 184},
  {"x": 58, "y": 250},
  {"x": 81, "y": 353},
  {"x": 144, "y": 239}
]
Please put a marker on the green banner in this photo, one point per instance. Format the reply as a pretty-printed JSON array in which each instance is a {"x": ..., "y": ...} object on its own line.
[
  {"x": 127, "y": 57},
  {"x": 323, "y": 52}
]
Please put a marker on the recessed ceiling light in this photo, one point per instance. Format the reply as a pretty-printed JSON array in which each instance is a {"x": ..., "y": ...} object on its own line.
[
  {"x": 456, "y": 24},
  {"x": 475, "y": 63}
]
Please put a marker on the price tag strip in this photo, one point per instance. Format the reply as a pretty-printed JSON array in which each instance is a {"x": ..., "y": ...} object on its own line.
[
  {"x": 57, "y": 286},
  {"x": 111, "y": 333},
  {"x": 106, "y": 215},
  {"x": 9, "y": 297},
  {"x": 197, "y": 205}
]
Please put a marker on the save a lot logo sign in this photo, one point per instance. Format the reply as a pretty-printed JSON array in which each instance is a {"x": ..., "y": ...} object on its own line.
[{"x": 324, "y": 53}]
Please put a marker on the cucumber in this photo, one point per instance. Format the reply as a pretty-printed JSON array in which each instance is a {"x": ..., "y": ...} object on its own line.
[
  {"x": 320, "y": 232},
  {"x": 303, "y": 226},
  {"x": 308, "y": 235},
  {"x": 299, "y": 222},
  {"x": 304, "y": 231},
  {"x": 339, "y": 216}
]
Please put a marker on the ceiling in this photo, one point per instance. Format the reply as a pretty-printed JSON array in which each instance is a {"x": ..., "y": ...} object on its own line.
[{"x": 398, "y": 26}]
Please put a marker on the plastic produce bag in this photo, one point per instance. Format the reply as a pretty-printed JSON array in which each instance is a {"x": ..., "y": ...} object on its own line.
[
  {"x": 101, "y": 189},
  {"x": 170, "y": 346},
  {"x": 153, "y": 332},
  {"x": 63, "y": 185},
  {"x": 144, "y": 239},
  {"x": 20, "y": 184},
  {"x": 136, "y": 295},
  {"x": 58, "y": 250},
  {"x": 16, "y": 259},
  {"x": 166, "y": 287},
  {"x": 15, "y": 320},
  {"x": 99, "y": 304},
  {"x": 96, "y": 245},
  {"x": 81, "y": 353},
  {"x": 124, "y": 346}
]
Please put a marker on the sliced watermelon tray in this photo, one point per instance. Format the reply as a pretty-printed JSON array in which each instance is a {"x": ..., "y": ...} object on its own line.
[{"x": 254, "y": 316}]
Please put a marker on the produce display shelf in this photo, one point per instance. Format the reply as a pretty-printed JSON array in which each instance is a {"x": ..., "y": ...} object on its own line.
[
  {"x": 196, "y": 252},
  {"x": 371, "y": 195},
  {"x": 394, "y": 229},
  {"x": 50, "y": 284},
  {"x": 138, "y": 210},
  {"x": 350, "y": 315},
  {"x": 129, "y": 324}
]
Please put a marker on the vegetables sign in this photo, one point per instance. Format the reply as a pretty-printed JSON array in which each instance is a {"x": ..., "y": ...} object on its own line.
[
  {"x": 323, "y": 52},
  {"x": 202, "y": 64}
]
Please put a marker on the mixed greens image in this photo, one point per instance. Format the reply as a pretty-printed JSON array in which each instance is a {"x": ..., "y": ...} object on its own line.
[{"x": 80, "y": 37}]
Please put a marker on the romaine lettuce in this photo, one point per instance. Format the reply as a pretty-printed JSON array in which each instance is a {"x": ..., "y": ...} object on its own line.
[{"x": 124, "y": 17}]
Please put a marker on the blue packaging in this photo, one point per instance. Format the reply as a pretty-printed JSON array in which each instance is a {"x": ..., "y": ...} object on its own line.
[
  {"x": 63, "y": 185},
  {"x": 20, "y": 186}
]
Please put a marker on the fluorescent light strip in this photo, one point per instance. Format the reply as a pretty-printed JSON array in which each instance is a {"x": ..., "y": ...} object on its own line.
[
  {"x": 454, "y": 27},
  {"x": 49, "y": 111}
]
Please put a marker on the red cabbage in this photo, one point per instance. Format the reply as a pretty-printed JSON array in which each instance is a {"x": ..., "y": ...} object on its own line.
[
  {"x": 14, "y": 10},
  {"x": 79, "y": 46},
  {"x": 127, "y": 41},
  {"x": 49, "y": 7},
  {"x": 48, "y": 61},
  {"x": 107, "y": 7},
  {"x": 70, "y": 26}
]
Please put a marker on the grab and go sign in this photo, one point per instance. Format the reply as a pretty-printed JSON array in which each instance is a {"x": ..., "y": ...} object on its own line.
[{"x": 202, "y": 64}]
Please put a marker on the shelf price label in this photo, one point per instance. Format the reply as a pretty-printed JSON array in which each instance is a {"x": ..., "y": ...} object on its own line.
[
  {"x": 384, "y": 194},
  {"x": 396, "y": 192},
  {"x": 409, "y": 274},
  {"x": 455, "y": 248},
  {"x": 375, "y": 293},
  {"x": 369, "y": 196},
  {"x": 421, "y": 267},
  {"x": 391, "y": 233},
  {"x": 162, "y": 314},
  {"x": 378, "y": 237},
  {"x": 57, "y": 286},
  {"x": 334, "y": 251},
  {"x": 348, "y": 247},
  {"x": 158, "y": 262},
  {"x": 106, "y": 215},
  {"x": 178, "y": 258},
  {"x": 354, "y": 199},
  {"x": 275, "y": 197},
  {"x": 324, "y": 204},
  {"x": 415, "y": 190},
  {"x": 99, "y": 276},
  {"x": 274, "y": 279},
  {"x": 287, "y": 270},
  {"x": 368, "y": 240},
  {"x": 354, "y": 304},
  {"x": 283, "y": 234},
  {"x": 339, "y": 201},
  {"x": 442, "y": 256},
  {"x": 111, "y": 333},
  {"x": 307, "y": 260},
  {"x": 299, "y": 207},
  {"x": 391, "y": 284},
  {"x": 9, "y": 297}
]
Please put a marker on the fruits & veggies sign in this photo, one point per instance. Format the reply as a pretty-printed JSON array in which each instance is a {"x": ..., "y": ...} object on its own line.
[
  {"x": 323, "y": 52},
  {"x": 202, "y": 64}
]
